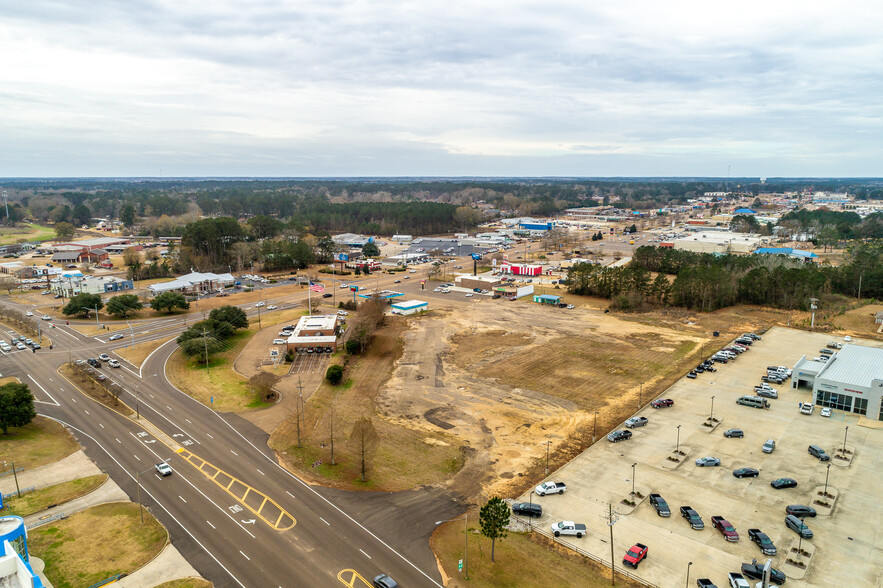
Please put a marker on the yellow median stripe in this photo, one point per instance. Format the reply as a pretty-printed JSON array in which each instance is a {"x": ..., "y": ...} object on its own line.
[
  {"x": 352, "y": 579},
  {"x": 281, "y": 522}
]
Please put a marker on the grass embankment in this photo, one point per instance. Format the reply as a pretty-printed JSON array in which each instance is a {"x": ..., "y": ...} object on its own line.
[
  {"x": 186, "y": 583},
  {"x": 94, "y": 389},
  {"x": 40, "y": 500},
  {"x": 404, "y": 457},
  {"x": 96, "y": 543},
  {"x": 229, "y": 390},
  {"x": 41, "y": 442},
  {"x": 26, "y": 232},
  {"x": 137, "y": 354},
  {"x": 516, "y": 561}
]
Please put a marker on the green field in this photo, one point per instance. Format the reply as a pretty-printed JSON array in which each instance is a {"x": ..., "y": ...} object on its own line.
[{"x": 27, "y": 231}]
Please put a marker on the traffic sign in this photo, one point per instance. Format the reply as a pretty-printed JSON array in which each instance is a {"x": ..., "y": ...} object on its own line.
[{"x": 460, "y": 566}]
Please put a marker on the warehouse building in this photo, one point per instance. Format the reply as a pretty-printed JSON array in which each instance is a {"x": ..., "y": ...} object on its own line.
[
  {"x": 852, "y": 380},
  {"x": 406, "y": 307},
  {"x": 719, "y": 242},
  {"x": 480, "y": 282}
]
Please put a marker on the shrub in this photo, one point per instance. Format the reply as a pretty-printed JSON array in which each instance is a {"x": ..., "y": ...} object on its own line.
[{"x": 334, "y": 375}]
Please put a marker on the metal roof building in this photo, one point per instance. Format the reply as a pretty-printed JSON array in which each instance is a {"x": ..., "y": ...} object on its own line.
[{"x": 852, "y": 380}]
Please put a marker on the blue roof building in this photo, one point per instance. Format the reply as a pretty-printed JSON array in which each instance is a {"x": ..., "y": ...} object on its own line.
[
  {"x": 789, "y": 251},
  {"x": 744, "y": 211}
]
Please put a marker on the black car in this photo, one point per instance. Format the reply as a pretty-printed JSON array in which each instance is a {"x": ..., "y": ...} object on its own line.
[
  {"x": 746, "y": 473},
  {"x": 756, "y": 571},
  {"x": 780, "y": 483},
  {"x": 692, "y": 375},
  {"x": 93, "y": 362},
  {"x": 617, "y": 436},
  {"x": 327, "y": 295},
  {"x": 384, "y": 581},
  {"x": 800, "y": 510},
  {"x": 734, "y": 433},
  {"x": 705, "y": 583},
  {"x": 528, "y": 509}
]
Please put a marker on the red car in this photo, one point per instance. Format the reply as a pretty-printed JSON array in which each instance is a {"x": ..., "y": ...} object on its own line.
[
  {"x": 635, "y": 555},
  {"x": 726, "y": 529},
  {"x": 662, "y": 403}
]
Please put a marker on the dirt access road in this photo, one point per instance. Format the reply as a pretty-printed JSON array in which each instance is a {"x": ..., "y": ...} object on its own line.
[{"x": 504, "y": 378}]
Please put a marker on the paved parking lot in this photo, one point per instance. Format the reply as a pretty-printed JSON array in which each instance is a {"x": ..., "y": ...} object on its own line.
[{"x": 848, "y": 543}]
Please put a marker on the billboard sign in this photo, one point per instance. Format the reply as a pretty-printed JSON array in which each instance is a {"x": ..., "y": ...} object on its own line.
[
  {"x": 476, "y": 256},
  {"x": 341, "y": 257}
]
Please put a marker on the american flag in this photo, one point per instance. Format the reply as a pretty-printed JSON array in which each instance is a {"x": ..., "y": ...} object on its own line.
[{"x": 317, "y": 288}]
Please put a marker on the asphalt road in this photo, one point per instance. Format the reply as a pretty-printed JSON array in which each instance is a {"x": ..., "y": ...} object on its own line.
[{"x": 228, "y": 505}]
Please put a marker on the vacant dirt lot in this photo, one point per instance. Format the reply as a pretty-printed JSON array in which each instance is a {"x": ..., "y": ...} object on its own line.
[{"x": 505, "y": 379}]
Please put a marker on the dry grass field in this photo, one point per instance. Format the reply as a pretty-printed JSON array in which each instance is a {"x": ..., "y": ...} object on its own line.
[
  {"x": 138, "y": 353},
  {"x": 39, "y": 500},
  {"x": 41, "y": 442},
  {"x": 96, "y": 543}
]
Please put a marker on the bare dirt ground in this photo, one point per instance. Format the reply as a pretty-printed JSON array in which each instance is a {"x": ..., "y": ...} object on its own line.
[{"x": 505, "y": 380}]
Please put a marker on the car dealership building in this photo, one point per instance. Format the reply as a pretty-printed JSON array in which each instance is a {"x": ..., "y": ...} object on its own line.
[{"x": 851, "y": 381}]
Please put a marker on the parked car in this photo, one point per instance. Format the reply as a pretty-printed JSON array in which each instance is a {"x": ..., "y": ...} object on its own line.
[
  {"x": 550, "y": 488},
  {"x": 818, "y": 452},
  {"x": 635, "y": 555},
  {"x": 746, "y": 473},
  {"x": 528, "y": 509},
  {"x": 163, "y": 469},
  {"x": 636, "y": 422},
  {"x": 763, "y": 541},
  {"x": 755, "y": 571},
  {"x": 725, "y": 527},
  {"x": 662, "y": 403},
  {"x": 780, "y": 483},
  {"x": 20, "y": 345},
  {"x": 692, "y": 517},
  {"x": 800, "y": 510},
  {"x": 661, "y": 506},
  {"x": 766, "y": 393},
  {"x": 704, "y": 462},
  {"x": 29, "y": 313},
  {"x": 806, "y": 408},
  {"x": 768, "y": 446},
  {"x": 737, "y": 580},
  {"x": 692, "y": 375},
  {"x": 617, "y": 436},
  {"x": 705, "y": 583},
  {"x": 116, "y": 337},
  {"x": 568, "y": 528},
  {"x": 826, "y": 412},
  {"x": 734, "y": 433},
  {"x": 278, "y": 341}
]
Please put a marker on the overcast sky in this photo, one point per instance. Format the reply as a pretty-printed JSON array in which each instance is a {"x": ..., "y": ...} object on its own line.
[{"x": 489, "y": 88}]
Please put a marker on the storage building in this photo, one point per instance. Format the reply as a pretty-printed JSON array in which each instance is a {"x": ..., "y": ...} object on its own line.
[{"x": 406, "y": 307}]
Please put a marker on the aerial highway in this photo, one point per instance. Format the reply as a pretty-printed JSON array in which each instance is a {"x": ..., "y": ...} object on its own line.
[{"x": 233, "y": 512}]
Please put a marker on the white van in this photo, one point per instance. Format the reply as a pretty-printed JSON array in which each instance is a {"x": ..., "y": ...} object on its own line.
[{"x": 754, "y": 401}]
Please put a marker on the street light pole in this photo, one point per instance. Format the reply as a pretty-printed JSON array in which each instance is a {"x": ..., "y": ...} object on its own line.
[
  {"x": 138, "y": 482},
  {"x": 633, "y": 478},
  {"x": 547, "y": 456},
  {"x": 711, "y": 416},
  {"x": 530, "y": 514},
  {"x": 678, "y": 445},
  {"x": 595, "y": 426},
  {"x": 827, "y": 472},
  {"x": 688, "y": 574},
  {"x": 846, "y": 432}
]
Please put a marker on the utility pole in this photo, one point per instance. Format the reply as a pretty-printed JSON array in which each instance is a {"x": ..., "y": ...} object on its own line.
[
  {"x": 610, "y": 522},
  {"x": 299, "y": 412},
  {"x": 97, "y": 326},
  {"x": 813, "y": 306},
  {"x": 205, "y": 345},
  {"x": 547, "y": 457}
]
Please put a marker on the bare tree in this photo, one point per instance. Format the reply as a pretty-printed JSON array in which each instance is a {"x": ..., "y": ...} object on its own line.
[
  {"x": 262, "y": 385},
  {"x": 364, "y": 440},
  {"x": 297, "y": 412},
  {"x": 331, "y": 424}
]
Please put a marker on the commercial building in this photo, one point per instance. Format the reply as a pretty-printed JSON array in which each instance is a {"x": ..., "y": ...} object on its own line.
[
  {"x": 352, "y": 240},
  {"x": 193, "y": 283},
  {"x": 402, "y": 238},
  {"x": 15, "y": 563},
  {"x": 547, "y": 299},
  {"x": 789, "y": 251},
  {"x": 90, "y": 244},
  {"x": 406, "y": 307},
  {"x": 851, "y": 380},
  {"x": 719, "y": 242},
  {"x": 383, "y": 295},
  {"x": 315, "y": 331},
  {"x": 482, "y": 282},
  {"x": 405, "y": 259},
  {"x": 521, "y": 269},
  {"x": 72, "y": 284}
]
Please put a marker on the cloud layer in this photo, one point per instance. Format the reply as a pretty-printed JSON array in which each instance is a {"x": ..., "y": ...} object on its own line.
[{"x": 374, "y": 87}]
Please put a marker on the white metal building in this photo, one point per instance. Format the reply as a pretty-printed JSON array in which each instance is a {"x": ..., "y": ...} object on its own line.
[
  {"x": 852, "y": 380},
  {"x": 409, "y": 307},
  {"x": 719, "y": 242}
]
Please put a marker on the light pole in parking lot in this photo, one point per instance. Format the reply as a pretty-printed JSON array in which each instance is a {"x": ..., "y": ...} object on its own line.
[
  {"x": 633, "y": 478},
  {"x": 827, "y": 472},
  {"x": 465, "y": 544},
  {"x": 711, "y": 416},
  {"x": 688, "y": 574},
  {"x": 845, "y": 433},
  {"x": 595, "y": 426},
  {"x": 640, "y": 394},
  {"x": 530, "y": 512},
  {"x": 547, "y": 456},
  {"x": 678, "y": 444},
  {"x": 800, "y": 539}
]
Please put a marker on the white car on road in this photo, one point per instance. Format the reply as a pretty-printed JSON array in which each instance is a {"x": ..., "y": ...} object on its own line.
[
  {"x": 29, "y": 313},
  {"x": 259, "y": 304},
  {"x": 46, "y": 317},
  {"x": 163, "y": 469},
  {"x": 272, "y": 307}
]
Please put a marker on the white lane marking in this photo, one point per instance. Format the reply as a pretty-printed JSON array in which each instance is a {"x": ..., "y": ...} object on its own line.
[
  {"x": 188, "y": 420},
  {"x": 234, "y": 453},
  {"x": 86, "y": 411},
  {"x": 136, "y": 457},
  {"x": 290, "y": 494},
  {"x": 182, "y": 499},
  {"x": 146, "y": 359},
  {"x": 210, "y": 525},
  {"x": 74, "y": 399},
  {"x": 100, "y": 425},
  {"x": 324, "y": 521},
  {"x": 100, "y": 340},
  {"x": 245, "y": 556},
  {"x": 151, "y": 395},
  {"x": 128, "y": 370},
  {"x": 209, "y": 436},
  {"x": 365, "y": 554},
  {"x": 261, "y": 473},
  {"x": 118, "y": 441},
  {"x": 50, "y": 379},
  {"x": 186, "y": 530},
  {"x": 55, "y": 402}
]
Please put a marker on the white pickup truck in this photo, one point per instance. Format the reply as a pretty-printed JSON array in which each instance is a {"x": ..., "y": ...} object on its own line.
[
  {"x": 550, "y": 488},
  {"x": 568, "y": 528}
]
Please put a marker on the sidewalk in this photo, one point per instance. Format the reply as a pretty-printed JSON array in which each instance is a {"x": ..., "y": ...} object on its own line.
[
  {"x": 74, "y": 466},
  {"x": 107, "y": 492}
]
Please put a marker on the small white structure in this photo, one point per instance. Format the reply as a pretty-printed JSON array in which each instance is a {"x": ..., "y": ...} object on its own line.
[
  {"x": 402, "y": 238},
  {"x": 193, "y": 282},
  {"x": 406, "y": 307}
]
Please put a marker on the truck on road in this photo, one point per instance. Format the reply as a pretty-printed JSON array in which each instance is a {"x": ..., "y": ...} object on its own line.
[
  {"x": 660, "y": 505},
  {"x": 568, "y": 528},
  {"x": 550, "y": 488}
]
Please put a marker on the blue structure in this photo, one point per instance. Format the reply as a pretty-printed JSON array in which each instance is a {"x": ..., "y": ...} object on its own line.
[
  {"x": 546, "y": 299},
  {"x": 791, "y": 252},
  {"x": 536, "y": 226},
  {"x": 15, "y": 567},
  {"x": 744, "y": 211}
]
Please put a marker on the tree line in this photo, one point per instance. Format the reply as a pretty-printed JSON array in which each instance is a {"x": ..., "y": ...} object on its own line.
[{"x": 707, "y": 282}]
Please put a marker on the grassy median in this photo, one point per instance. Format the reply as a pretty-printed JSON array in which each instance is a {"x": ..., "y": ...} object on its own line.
[
  {"x": 186, "y": 583},
  {"x": 40, "y": 500},
  {"x": 41, "y": 442},
  {"x": 140, "y": 351},
  {"x": 97, "y": 543}
]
